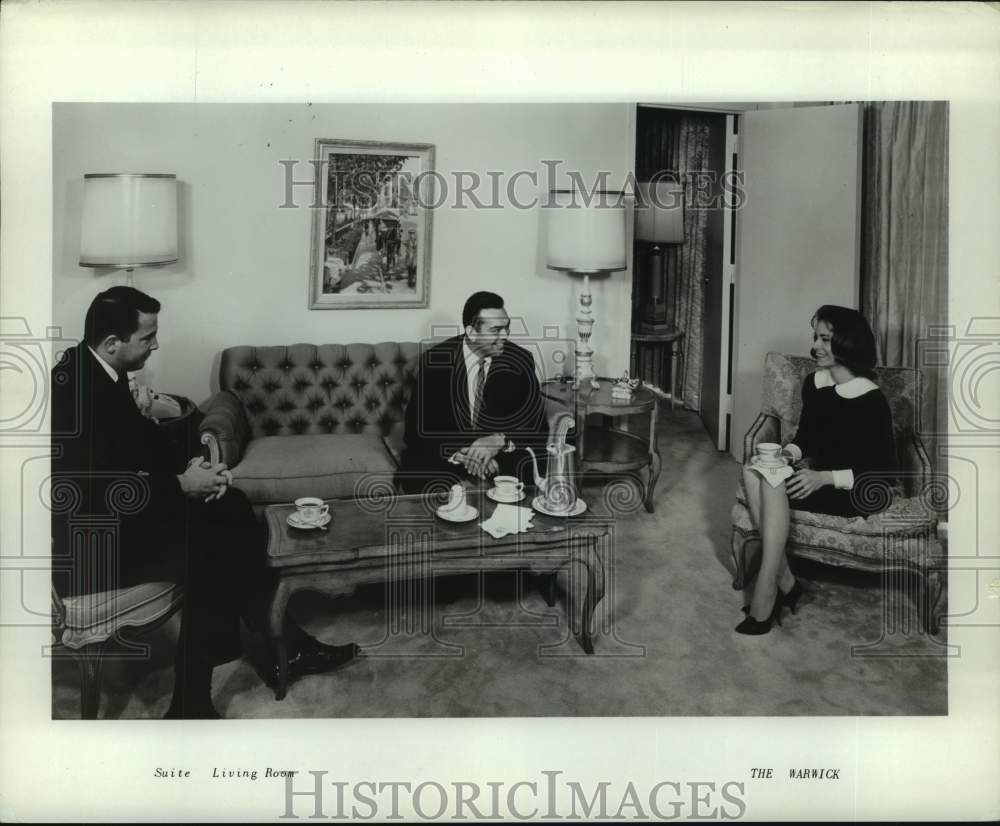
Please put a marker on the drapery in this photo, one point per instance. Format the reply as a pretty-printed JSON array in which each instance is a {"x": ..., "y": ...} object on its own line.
[
  {"x": 678, "y": 142},
  {"x": 904, "y": 246}
]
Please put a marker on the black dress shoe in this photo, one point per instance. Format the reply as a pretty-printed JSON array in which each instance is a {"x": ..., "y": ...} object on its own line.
[
  {"x": 192, "y": 711},
  {"x": 318, "y": 658}
]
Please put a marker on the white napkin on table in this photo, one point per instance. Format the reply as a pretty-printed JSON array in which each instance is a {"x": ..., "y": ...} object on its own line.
[
  {"x": 774, "y": 476},
  {"x": 507, "y": 519}
]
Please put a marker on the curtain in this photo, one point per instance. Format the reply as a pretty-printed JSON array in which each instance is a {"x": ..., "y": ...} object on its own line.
[
  {"x": 678, "y": 142},
  {"x": 904, "y": 240}
]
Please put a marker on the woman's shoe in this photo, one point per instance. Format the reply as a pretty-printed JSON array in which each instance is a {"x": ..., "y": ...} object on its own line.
[
  {"x": 791, "y": 599},
  {"x": 755, "y": 627}
]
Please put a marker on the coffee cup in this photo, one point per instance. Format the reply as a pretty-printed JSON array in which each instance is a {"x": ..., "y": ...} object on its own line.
[
  {"x": 311, "y": 509},
  {"x": 769, "y": 451},
  {"x": 507, "y": 487}
]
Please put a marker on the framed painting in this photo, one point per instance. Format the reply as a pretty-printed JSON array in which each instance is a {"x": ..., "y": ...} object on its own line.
[{"x": 371, "y": 236}]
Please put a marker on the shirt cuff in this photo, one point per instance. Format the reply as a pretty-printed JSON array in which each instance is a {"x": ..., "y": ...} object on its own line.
[
  {"x": 843, "y": 479},
  {"x": 794, "y": 450}
]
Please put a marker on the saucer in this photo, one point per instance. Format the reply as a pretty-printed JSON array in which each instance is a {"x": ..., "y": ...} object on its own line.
[
  {"x": 492, "y": 494},
  {"x": 781, "y": 461},
  {"x": 294, "y": 520},
  {"x": 538, "y": 503},
  {"x": 466, "y": 515}
]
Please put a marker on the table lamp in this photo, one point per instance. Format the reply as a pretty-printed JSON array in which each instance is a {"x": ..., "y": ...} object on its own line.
[
  {"x": 586, "y": 235},
  {"x": 659, "y": 219},
  {"x": 128, "y": 220}
]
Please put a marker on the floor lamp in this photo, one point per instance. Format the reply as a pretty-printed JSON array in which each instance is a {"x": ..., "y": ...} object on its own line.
[
  {"x": 128, "y": 220},
  {"x": 586, "y": 236},
  {"x": 659, "y": 219}
]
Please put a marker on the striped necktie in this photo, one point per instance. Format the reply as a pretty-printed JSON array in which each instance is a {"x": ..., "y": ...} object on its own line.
[{"x": 477, "y": 400}]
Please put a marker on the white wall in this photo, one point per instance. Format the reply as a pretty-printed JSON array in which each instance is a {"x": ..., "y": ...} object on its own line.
[{"x": 243, "y": 271}]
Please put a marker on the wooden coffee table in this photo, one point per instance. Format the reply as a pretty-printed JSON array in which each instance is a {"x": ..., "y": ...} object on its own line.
[{"x": 391, "y": 538}]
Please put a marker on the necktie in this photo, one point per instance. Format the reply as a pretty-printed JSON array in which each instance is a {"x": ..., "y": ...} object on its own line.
[{"x": 477, "y": 396}]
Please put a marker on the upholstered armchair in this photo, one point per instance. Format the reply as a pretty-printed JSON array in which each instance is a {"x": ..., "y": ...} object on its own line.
[{"x": 901, "y": 538}]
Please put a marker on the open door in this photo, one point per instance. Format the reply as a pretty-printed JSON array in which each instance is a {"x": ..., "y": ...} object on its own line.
[{"x": 798, "y": 237}]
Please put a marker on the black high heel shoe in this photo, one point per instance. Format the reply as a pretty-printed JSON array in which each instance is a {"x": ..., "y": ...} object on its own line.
[
  {"x": 756, "y": 627},
  {"x": 791, "y": 599}
]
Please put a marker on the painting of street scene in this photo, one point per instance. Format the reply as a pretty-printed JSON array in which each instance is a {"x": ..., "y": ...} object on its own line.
[{"x": 371, "y": 239}]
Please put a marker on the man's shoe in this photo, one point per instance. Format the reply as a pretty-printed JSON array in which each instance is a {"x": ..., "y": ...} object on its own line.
[
  {"x": 192, "y": 711},
  {"x": 316, "y": 657}
]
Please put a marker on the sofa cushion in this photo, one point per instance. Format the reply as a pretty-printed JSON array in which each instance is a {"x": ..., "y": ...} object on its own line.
[{"x": 283, "y": 468}]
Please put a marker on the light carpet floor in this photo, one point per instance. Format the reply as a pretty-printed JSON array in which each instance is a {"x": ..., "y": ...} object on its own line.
[{"x": 665, "y": 644}]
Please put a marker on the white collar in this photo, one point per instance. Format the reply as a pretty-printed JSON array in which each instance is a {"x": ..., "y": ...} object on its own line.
[
  {"x": 472, "y": 358},
  {"x": 850, "y": 389},
  {"x": 107, "y": 367}
]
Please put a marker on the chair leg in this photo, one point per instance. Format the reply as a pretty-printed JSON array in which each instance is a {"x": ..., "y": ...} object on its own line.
[
  {"x": 90, "y": 661},
  {"x": 935, "y": 591}
]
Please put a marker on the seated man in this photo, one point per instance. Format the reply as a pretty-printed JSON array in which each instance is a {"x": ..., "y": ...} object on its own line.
[
  {"x": 476, "y": 404},
  {"x": 183, "y": 524}
]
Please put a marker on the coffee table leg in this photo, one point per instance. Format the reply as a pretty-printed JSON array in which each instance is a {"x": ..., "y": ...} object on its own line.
[
  {"x": 582, "y": 594},
  {"x": 549, "y": 589},
  {"x": 276, "y": 635}
]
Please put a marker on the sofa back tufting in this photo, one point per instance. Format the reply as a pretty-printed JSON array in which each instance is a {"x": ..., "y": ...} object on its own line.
[{"x": 309, "y": 389}]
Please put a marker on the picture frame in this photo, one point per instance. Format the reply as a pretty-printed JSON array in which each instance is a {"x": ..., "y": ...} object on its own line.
[{"x": 371, "y": 232}]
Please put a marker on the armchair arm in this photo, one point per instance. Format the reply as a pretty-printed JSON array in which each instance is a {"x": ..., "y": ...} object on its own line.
[
  {"x": 766, "y": 428},
  {"x": 225, "y": 430}
]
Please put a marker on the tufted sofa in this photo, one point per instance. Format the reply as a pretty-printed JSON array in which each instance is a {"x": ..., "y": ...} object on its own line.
[
  {"x": 902, "y": 538},
  {"x": 309, "y": 420}
]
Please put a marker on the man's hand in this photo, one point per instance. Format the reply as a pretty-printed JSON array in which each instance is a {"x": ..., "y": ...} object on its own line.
[
  {"x": 804, "y": 482},
  {"x": 478, "y": 457},
  {"x": 203, "y": 479}
]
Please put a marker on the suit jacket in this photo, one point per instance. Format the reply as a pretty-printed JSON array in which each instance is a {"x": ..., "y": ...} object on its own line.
[
  {"x": 111, "y": 467},
  {"x": 439, "y": 418}
]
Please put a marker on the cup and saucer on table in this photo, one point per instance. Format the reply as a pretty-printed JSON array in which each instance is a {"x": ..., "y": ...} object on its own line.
[
  {"x": 310, "y": 513},
  {"x": 506, "y": 490},
  {"x": 457, "y": 509}
]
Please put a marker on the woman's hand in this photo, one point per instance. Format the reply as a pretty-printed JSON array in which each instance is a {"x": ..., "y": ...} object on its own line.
[{"x": 804, "y": 482}]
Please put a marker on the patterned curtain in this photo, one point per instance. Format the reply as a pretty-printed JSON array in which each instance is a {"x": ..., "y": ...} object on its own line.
[
  {"x": 904, "y": 255},
  {"x": 678, "y": 142}
]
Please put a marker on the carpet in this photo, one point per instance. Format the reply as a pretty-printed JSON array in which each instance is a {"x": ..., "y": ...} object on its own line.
[{"x": 474, "y": 646}]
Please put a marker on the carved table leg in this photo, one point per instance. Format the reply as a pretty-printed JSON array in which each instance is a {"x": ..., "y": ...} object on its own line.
[
  {"x": 549, "y": 589},
  {"x": 581, "y": 594},
  {"x": 276, "y": 635},
  {"x": 654, "y": 475}
]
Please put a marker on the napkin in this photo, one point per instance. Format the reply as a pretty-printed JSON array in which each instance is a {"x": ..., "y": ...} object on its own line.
[
  {"x": 774, "y": 476},
  {"x": 507, "y": 519}
]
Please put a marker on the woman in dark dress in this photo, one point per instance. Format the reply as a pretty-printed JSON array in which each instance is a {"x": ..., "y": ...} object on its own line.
[{"x": 845, "y": 430}]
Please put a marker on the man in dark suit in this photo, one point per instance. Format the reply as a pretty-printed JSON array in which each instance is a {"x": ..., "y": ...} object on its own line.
[
  {"x": 476, "y": 404},
  {"x": 171, "y": 521}
]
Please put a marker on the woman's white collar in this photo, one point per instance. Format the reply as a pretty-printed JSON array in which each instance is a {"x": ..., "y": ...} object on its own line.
[{"x": 850, "y": 389}]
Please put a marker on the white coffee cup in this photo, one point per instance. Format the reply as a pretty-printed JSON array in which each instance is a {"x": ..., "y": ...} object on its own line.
[
  {"x": 311, "y": 509},
  {"x": 507, "y": 487},
  {"x": 768, "y": 451}
]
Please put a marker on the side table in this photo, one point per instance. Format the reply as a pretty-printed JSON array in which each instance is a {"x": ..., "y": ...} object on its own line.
[
  {"x": 654, "y": 343},
  {"x": 605, "y": 448}
]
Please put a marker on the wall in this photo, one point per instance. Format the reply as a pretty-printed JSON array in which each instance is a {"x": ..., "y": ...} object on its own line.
[{"x": 243, "y": 271}]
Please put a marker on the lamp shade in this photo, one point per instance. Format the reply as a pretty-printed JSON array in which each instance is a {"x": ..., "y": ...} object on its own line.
[
  {"x": 128, "y": 220},
  {"x": 659, "y": 212},
  {"x": 586, "y": 231}
]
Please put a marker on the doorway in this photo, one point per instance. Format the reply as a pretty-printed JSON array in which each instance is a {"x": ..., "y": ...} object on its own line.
[{"x": 682, "y": 292}]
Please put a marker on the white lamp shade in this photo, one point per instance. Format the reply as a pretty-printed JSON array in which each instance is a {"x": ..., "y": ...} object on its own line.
[
  {"x": 128, "y": 220},
  {"x": 659, "y": 212},
  {"x": 586, "y": 237}
]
